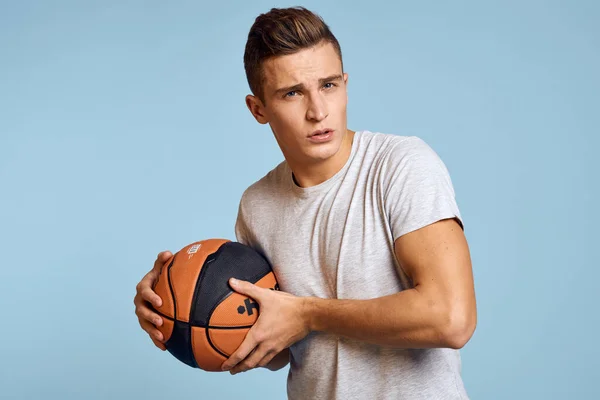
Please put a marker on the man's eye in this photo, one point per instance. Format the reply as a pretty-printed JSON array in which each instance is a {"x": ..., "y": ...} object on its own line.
[
  {"x": 329, "y": 83},
  {"x": 290, "y": 94}
]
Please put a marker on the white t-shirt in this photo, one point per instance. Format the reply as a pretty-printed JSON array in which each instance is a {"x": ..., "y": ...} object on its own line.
[{"x": 336, "y": 241}]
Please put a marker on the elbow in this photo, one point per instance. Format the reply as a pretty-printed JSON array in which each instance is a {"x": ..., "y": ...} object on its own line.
[{"x": 458, "y": 327}]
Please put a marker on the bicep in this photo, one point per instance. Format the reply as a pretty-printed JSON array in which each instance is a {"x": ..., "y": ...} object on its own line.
[{"x": 436, "y": 258}]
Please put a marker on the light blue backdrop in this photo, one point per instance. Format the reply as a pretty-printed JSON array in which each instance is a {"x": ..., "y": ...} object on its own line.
[{"x": 124, "y": 132}]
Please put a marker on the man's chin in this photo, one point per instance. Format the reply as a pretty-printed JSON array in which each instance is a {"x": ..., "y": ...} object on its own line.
[{"x": 323, "y": 151}]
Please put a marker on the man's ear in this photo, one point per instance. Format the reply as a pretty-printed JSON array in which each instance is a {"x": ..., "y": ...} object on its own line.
[
  {"x": 257, "y": 109},
  {"x": 345, "y": 75}
]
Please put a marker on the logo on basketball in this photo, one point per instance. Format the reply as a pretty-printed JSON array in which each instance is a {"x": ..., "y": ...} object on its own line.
[
  {"x": 194, "y": 249},
  {"x": 248, "y": 307}
]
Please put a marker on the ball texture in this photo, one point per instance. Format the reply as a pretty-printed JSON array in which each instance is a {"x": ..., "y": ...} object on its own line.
[{"x": 204, "y": 320}]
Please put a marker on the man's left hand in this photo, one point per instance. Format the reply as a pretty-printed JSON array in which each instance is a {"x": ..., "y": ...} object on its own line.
[{"x": 283, "y": 320}]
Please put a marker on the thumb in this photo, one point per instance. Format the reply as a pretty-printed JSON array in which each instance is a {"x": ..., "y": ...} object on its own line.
[{"x": 246, "y": 288}]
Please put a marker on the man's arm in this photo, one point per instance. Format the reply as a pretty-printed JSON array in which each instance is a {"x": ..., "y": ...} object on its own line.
[{"x": 439, "y": 311}]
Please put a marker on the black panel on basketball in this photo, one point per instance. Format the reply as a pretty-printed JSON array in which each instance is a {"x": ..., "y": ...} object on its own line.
[
  {"x": 180, "y": 344},
  {"x": 233, "y": 259}
]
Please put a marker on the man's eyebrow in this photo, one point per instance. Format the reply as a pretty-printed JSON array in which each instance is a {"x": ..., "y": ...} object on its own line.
[{"x": 300, "y": 86}]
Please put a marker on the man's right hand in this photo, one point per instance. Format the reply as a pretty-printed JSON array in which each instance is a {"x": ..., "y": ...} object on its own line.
[{"x": 145, "y": 297}]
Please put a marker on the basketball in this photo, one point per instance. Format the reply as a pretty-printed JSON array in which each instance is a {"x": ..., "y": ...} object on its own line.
[{"x": 204, "y": 320}]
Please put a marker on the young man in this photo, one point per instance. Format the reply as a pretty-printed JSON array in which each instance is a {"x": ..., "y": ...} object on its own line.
[{"x": 362, "y": 230}]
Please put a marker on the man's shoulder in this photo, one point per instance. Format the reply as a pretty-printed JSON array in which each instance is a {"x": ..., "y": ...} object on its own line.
[
  {"x": 402, "y": 158},
  {"x": 267, "y": 185},
  {"x": 394, "y": 147}
]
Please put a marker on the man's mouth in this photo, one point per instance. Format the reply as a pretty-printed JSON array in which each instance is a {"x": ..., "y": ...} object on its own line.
[{"x": 321, "y": 132}]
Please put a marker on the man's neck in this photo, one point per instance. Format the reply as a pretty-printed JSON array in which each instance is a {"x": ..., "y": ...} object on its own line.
[{"x": 315, "y": 174}]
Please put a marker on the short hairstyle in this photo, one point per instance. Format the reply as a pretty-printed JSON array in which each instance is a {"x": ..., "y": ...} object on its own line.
[{"x": 282, "y": 31}]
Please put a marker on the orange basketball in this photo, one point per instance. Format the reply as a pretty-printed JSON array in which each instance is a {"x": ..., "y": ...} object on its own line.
[{"x": 204, "y": 320}]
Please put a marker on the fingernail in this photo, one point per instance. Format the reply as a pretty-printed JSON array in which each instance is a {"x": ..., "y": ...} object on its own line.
[{"x": 234, "y": 281}]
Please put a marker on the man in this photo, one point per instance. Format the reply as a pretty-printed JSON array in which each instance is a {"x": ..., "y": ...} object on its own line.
[{"x": 362, "y": 230}]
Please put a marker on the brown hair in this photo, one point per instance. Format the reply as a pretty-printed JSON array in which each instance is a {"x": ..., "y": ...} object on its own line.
[{"x": 282, "y": 31}]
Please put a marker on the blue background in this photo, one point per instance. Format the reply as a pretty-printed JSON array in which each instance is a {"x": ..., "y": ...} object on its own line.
[{"x": 124, "y": 132}]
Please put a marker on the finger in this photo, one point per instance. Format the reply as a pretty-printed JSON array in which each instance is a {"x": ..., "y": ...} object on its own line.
[
  {"x": 151, "y": 330},
  {"x": 251, "y": 361},
  {"x": 247, "y": 288},
  {"x": 150, "y": 296},
  {"x": 145, "y": 288},
  {"x": 241, "y": 353},
  {"x": 158, "y": 344},
  {"x": 147, "y": 280},
  {"x": 142, "y": 311},
  {"x": 267, "y": 358},
  {"x": 161, "y": 259}
]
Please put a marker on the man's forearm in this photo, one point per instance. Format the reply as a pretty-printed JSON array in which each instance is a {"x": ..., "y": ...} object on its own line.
[{"x": 408, "y": 319}]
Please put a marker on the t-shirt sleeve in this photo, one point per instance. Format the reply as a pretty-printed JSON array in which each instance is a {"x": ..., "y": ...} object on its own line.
[{"x": 418, "y": 189}]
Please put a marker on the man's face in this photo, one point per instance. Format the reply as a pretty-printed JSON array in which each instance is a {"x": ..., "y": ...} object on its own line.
[{"x": 304, "y": 92}]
